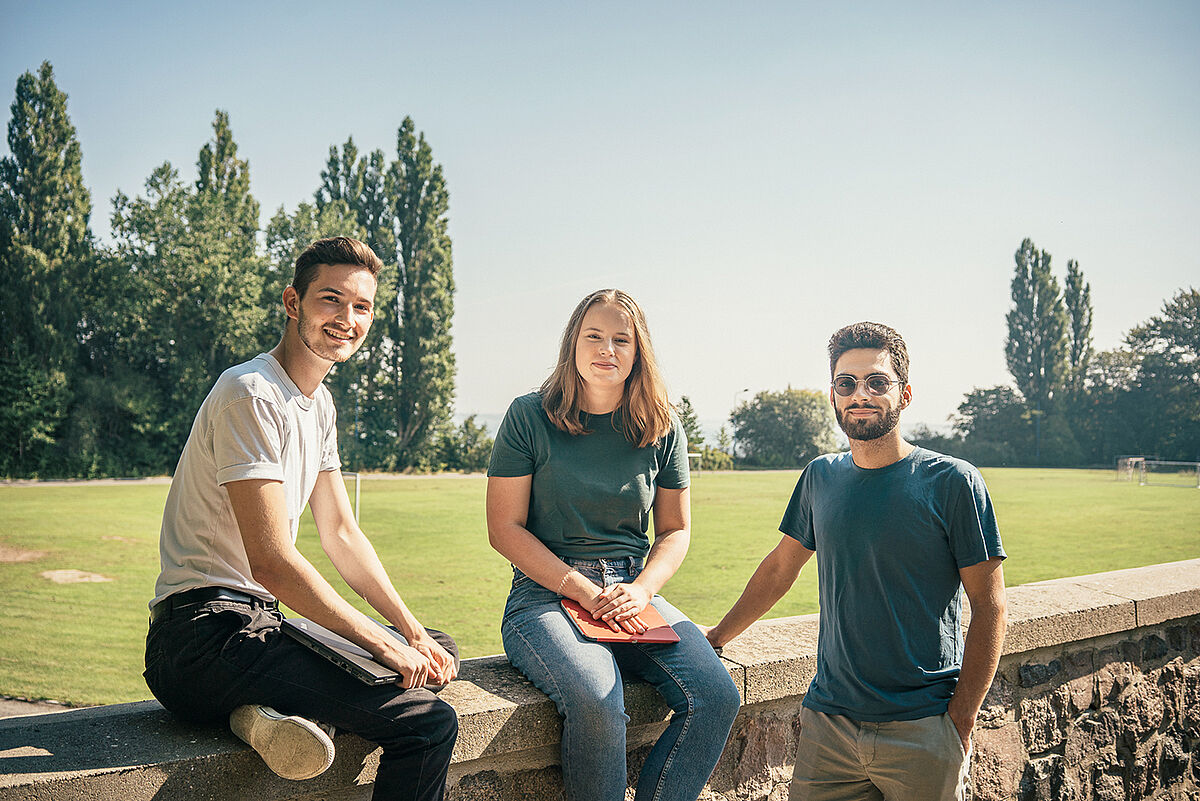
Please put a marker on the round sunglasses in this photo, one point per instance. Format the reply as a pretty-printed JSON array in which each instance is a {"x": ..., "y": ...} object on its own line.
[{"x": 845, "y": 385}]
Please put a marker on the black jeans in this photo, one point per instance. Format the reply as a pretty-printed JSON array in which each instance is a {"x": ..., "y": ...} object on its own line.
[{"x": 203, "y": 661}]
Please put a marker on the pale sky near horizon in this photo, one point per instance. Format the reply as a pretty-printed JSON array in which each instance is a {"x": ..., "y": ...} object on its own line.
[{"x": 755, "y": 175}]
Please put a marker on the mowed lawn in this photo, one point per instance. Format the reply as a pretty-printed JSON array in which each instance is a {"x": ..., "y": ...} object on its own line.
[{"x": 81, "y": 643}]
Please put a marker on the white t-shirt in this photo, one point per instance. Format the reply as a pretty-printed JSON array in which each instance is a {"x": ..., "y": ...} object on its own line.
[{"x": 254, "y": 424}]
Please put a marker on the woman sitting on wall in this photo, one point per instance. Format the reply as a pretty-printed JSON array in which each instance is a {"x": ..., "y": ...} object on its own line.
[{"x": 575, "y": 471}]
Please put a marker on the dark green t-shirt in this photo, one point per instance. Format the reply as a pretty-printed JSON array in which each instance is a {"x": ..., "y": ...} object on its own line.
[
  {"x": 591, "y": 494},
  {"x": 890, "y": 543}
]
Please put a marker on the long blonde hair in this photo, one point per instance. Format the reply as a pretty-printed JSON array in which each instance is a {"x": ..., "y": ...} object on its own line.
[{"x": 645, "y": 410}]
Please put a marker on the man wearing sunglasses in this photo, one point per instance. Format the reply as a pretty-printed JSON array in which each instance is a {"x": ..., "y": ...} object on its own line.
[{"x": 900, "y": 531}]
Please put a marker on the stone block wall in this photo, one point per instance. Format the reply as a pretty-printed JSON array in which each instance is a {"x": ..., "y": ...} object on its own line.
[{"x": 1109, "y": 719}]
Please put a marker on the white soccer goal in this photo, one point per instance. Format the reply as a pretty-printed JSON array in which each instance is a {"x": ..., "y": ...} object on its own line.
[
  {"x": 1129, "y": 468},
  {"x": 1169, "y": 474}
]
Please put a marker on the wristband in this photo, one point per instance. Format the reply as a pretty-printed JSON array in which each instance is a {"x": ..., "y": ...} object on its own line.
[{"x": 562, "y": 584}]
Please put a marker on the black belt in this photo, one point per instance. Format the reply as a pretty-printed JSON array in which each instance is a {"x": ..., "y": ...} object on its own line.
[{"x": 202, "y": 595}]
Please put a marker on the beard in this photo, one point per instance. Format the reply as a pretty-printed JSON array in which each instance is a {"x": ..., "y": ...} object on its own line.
[
  {"x": 313, "y": 338},
  {"x": 865, "y": 430}
]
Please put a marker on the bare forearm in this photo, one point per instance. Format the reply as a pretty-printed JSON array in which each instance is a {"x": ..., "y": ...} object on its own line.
[
  {"x": 770, "y": 582},
  {"x": 516, "y": 544},
  {"x": 358, "y": 563},
  {"x": 297, "y": 584},
  {"x": 981, "y": 655},
  {"x": 665, "y": 557}
]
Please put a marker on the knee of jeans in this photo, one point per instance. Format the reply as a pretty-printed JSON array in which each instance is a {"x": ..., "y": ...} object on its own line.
[
  {"x": 719, "y": 702},
  {"x": 443, "y": 723},
  {"x": 599, "y": 716},
  {"x": 725, "y": 696}
]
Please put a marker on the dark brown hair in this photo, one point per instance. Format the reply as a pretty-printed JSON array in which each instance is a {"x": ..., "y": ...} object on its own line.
[
  {"x": 334, "y": 250},
  {"x": 875, "y": 336},
  {"x": 645, "y": 410}
]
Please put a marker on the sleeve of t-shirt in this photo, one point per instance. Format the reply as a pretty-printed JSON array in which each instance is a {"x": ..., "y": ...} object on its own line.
[
  {"x": 797, "y": 518},
  {"x": 513, "y": 451},
  {"x": 974, "y": 532},
  {"x": 329, "y": 448},
  {"x": 248, "y": 436},
  {"x": 673, "y": 473}
]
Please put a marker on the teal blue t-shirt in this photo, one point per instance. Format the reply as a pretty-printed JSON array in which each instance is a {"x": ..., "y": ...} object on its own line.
[
  {"x": 889, "y": 545},
  {"x": 591, "y": 494}
]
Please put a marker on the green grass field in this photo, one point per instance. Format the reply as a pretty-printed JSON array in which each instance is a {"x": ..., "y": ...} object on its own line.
[{"x": 82, "y": 643}]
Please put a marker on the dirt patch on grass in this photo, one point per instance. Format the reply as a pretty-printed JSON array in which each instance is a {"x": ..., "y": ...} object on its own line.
[
  {"x": 10, "y": 554},
  {"x": 73, "y": 576},
  {"x": 119, "y": 538}
]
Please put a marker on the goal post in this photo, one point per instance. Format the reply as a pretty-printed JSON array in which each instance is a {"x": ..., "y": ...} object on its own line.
[
  {"x": 1161, "y": 473},
  {"x": 1129, "y": 468}
]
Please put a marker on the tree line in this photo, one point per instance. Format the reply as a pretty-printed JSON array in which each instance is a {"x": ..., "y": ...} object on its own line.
[
  {"x": 111, "y": 347},
  {"x": 1071, "y": 405}
]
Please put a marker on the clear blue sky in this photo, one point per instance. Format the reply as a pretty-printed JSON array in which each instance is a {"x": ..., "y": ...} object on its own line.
[{"x": 757, "y": 175}]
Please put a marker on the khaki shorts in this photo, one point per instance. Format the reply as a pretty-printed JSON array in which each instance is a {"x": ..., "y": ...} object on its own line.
[{"x": 839, "y": 759}]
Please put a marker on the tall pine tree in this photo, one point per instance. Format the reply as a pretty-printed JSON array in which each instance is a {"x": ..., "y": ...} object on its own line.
[
  {"x": 404, "y": 386},
  {"x": 45, "y": 250},
  {"x": 1077, "y": 296},
  {"x": 1036, "y": 347}
]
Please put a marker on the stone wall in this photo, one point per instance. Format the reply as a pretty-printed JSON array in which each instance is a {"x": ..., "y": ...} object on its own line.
[
  {"x": 1097, "y": 697},
  {"x": 1115, "y": 719},
  {"x": 1111, "y": 716}
]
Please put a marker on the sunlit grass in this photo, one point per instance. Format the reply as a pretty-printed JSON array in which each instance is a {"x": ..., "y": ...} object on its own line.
[{"x": 82, "y": 643}]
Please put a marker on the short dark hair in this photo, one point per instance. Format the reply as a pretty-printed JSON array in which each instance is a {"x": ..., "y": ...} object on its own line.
[
  {"x": 876, "y": 336},
  {"x": 333, "y": 250}
]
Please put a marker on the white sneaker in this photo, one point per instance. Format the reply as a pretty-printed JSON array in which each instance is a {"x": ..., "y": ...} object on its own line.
[{"x": 293, "y": 747}]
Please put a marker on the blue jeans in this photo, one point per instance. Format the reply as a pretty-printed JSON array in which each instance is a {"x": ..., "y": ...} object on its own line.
[{"x": 583, "y": 678}]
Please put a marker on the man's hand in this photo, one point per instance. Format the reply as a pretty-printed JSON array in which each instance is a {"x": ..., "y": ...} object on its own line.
[
  {"x": 709, "y": 633},
  {"x": 413, "y": 666},
  {"x": 442, "y": 670},
  {"x": 963, "y": 724}
]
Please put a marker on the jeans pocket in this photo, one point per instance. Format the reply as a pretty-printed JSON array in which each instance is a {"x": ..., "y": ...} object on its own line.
[{"x": 519, "y": 578}]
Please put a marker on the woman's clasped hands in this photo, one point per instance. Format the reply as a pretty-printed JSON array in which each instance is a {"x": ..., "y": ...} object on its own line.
[{"x": 620, "y": 606}]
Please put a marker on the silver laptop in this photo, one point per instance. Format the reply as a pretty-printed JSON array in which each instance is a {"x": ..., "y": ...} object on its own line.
[{"x": 340, "y": 651}]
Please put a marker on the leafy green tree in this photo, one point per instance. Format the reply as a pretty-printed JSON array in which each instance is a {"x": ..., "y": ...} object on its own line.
[
  {"x": 45, "y": 250},
  {"x": 225, "y": 179},
  {"x": 1036, "y": 347},
  {"x": 1077, "y": 297},
  {"x": 784, "y": 429},
  {"x": 691, "y": 425},
  {"x": 926, "y": 437},
  {"x": 1168, "y": 348},
  {"x": 995, "y": 426},
  {"x": 715, "y": 459},
  {"x": 189, "y": 258},
  {"x": 466, "y": 447},
  {"x": 1109, "y": 420},
  {"x": 362, "y": 185}
]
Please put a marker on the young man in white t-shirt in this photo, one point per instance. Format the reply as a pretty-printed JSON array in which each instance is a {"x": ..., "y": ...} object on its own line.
[{"x": 264, "y": 445}]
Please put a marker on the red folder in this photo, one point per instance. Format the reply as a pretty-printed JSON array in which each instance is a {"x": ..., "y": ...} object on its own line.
[{"x": 657, "y": 630}]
